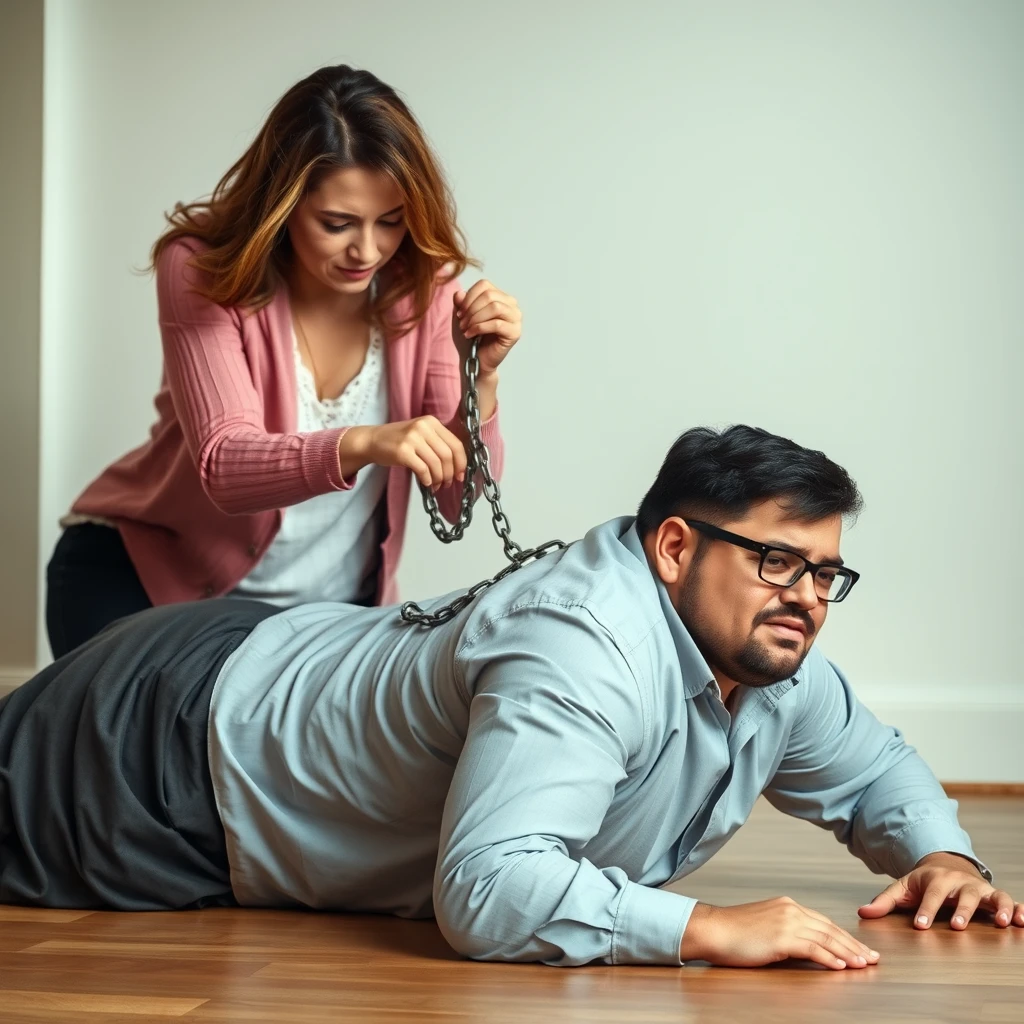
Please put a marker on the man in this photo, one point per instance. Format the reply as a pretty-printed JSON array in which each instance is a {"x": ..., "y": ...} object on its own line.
[{"x": 592, "y": 727}]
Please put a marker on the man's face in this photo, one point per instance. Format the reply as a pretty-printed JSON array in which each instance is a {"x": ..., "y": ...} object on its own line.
[{"x": 750, "y": 631}]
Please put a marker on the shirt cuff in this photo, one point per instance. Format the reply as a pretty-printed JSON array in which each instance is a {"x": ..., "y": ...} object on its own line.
[
  {"x": 932, "y": 835},
  {"x": 649, "y": 926}
]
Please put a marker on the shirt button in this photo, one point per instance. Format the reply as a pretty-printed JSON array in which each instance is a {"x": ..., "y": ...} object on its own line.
[
  {"x": 208, "y": 590},
  {"x": 252, "y": 549}
]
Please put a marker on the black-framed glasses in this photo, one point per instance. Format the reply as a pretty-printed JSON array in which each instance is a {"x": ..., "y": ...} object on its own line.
[{"x": 782, "y": 568}]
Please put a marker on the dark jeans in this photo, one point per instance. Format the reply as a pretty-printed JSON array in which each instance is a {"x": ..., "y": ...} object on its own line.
[{"x": 90, "y": 582}]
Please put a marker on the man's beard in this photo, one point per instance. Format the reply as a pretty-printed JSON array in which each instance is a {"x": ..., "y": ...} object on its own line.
[{"x": 755, "y": 663}]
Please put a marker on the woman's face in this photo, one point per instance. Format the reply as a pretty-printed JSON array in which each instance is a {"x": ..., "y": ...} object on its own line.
[{"x": 346, "y": 229}]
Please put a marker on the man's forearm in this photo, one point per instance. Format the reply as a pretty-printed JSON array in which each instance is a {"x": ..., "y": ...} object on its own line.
[{"x": 904, "y": 816}]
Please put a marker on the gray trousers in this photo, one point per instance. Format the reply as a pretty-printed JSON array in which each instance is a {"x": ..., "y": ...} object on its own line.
[{"x": 105, "y": 791}]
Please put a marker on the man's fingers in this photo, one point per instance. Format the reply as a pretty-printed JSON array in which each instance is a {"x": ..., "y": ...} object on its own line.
[
  {"x": 842, "y": 945},
  {"x": 808, "y": 949},
  {"x": 966, "y": 905},
  {"x": 931, "y": 903},
  {"x": 823, "y": 956},
  {"x": 861, "y": 954},
  {"x": 859, "y": 947},
  {"x": 891, "y": 897},
  {"x": 825, "y": 948},
  {"x": 1001, "y": 905}
]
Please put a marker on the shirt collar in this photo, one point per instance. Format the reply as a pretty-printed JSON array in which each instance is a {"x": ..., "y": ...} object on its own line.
[{"x": 697, "y": 674}]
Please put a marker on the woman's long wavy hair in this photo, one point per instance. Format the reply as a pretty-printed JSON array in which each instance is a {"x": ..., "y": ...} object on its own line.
[{"x": 337, "y": 117}]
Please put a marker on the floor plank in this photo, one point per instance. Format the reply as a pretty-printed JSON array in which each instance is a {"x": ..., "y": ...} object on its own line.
[
  {"x": 14, "y": 1001},
  {"x": 32, "y": 916},
  {"x": 221, "y": 966}
]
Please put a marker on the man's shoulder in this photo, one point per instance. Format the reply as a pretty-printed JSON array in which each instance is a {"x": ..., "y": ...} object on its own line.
[
  {"x": 818, "y": 668},
  {"x": 819, "y": 684},
  {"x": 596, "y": 586}
]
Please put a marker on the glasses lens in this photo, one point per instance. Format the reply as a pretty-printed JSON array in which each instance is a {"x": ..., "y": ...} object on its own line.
[
  {"x": 781, "y": 567},
  {"x": 832, "y": 583}
]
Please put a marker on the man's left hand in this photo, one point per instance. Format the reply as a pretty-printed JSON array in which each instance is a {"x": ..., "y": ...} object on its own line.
[{"x": 945, "y": 879}]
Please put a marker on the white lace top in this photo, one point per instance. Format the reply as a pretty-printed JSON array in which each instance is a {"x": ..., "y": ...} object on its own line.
[{"x": 328, "y": 547}]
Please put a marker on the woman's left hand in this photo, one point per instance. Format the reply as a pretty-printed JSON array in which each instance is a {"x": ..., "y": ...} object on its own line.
[{"x": 493, "y": 316}]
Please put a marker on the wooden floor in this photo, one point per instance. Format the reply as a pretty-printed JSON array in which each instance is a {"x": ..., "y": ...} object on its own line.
[{"x": 236, "y": 965}]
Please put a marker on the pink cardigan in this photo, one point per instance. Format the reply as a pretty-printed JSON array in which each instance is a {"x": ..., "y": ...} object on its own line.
[{"x": 199, "y": 502}]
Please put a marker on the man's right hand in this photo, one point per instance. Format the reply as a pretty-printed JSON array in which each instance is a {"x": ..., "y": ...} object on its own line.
[{"x": 754, "y": 934}]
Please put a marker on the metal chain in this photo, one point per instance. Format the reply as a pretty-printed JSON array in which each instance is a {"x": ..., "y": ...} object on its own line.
[{"x": 478, "y": 460}]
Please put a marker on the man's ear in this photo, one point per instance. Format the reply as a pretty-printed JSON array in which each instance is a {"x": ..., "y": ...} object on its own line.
[{"x": 670, "y": 549}]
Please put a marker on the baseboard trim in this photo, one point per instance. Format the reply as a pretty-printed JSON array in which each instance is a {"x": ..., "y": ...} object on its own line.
[
  {"x": 984, "y": 788},
  {"x": 969, "y": 742}
]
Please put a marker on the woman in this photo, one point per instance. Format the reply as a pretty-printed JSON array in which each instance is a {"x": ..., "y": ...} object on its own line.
[{"x": 313, "y": 333}]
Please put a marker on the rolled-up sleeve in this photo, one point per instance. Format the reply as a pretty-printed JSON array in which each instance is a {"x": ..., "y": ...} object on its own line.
[
  {"x": 846, "y": 771},
  {"x": 555, "y": 720}
]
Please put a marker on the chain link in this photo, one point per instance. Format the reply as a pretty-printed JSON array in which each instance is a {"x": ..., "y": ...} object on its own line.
[{"x": 478, "y": 461}]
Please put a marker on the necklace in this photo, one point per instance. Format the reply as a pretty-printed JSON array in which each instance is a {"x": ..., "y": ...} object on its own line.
[
  {"x": 318, "y": 382},
  {"x": 312, "y": 362}
]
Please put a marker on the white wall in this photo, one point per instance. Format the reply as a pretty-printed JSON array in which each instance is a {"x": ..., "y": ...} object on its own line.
[{"x": 802, "y": 215}]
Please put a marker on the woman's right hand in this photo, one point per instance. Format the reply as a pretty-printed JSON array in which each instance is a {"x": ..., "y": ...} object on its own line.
[{"x": 424, "y": 445}]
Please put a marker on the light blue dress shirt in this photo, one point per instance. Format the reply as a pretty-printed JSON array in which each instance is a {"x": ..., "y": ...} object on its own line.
[{"x": 532, "y": 771}]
